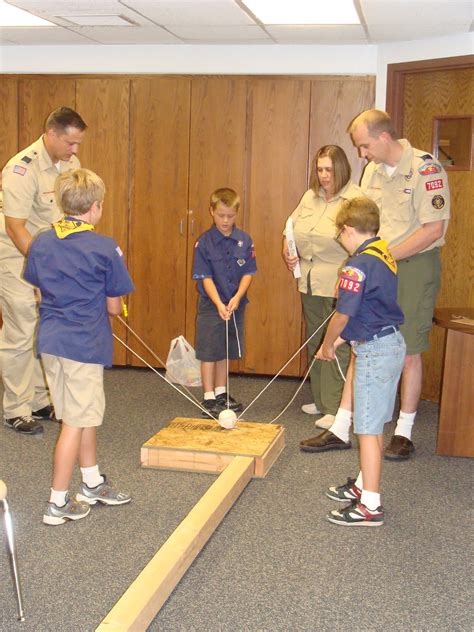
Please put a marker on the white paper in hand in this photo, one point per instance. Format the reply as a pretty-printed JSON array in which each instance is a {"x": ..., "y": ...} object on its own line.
[{"x": 290, "y": 240}]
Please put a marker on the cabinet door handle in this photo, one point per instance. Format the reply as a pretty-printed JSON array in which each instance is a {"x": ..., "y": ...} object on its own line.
[
  {"x": 192, "y": 227},
  {"x": 181, "y": 225}
]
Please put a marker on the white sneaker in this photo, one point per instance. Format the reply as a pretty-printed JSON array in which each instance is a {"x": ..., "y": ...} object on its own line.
[
  {"x": 325, "y": 422},
  {"x": 310, "y": 409}
]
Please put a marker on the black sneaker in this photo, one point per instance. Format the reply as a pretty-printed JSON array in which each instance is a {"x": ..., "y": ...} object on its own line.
[
  {"x": 233, "y": 405},
  {"x": 24, "y": 424},
  {"x": 45, "y": 414},
  {"x": 212, "y": 406}
]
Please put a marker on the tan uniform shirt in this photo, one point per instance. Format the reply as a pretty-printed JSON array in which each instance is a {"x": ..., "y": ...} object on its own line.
[
  {"x": 28, "y": 191},
  {"x": 314, "y": 228},
  {"x": 416, "y": 193}
]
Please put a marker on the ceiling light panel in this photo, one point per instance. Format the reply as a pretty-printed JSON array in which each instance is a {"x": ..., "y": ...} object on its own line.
[
  {"x": 303, "y": 11},
  {"x": 191, "y": 12},
  {"x": 13, "y": 16}
]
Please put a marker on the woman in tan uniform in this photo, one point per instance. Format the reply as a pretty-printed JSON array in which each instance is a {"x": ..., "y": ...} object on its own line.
[{"x": 321, "y": 258}]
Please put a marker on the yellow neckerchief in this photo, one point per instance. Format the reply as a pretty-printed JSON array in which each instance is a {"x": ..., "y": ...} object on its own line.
[
  {"x": 379, "y": 249},
  {"x": 65, "y": 227}
]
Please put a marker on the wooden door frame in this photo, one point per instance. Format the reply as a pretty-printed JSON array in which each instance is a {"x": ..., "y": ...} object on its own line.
[{"x": 396, "y": 74}]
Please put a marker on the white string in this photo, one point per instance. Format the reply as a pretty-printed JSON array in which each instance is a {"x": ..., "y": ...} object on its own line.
[
  {"x": 154, "y": 355},
  {"x": 227, "y": 360},
  {"x": 237, "y": 335},
  {"x": 164, "y": 378},
  {"x": 285, "y": 365},
  {"x": 296, "y": 393}
]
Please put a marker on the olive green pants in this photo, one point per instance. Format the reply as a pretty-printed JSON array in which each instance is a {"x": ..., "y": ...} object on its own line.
[{"x": 326, "y": 381}]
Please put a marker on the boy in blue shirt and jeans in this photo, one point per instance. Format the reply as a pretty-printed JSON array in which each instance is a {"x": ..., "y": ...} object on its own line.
[
  {"x": 367, "y": 315},
  {"x": 81, "y": 277},
  {"x": 224, "y": 263}
]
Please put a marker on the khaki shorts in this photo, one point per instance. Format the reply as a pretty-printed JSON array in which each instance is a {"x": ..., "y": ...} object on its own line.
[
  {"x": 418, "y": 284},
  {"x": 77, "y": 390}
]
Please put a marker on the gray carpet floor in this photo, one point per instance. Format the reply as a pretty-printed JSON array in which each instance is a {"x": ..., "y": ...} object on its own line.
[{"x": 274, "y": 563}]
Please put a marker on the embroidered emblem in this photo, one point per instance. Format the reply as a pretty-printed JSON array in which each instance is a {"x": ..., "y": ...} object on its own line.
[
  {"x": 19, "y": 170},
  {"x": 426, "y": 157},
  {"x": 240, "y": 262},
  {"x": 432, "y": 185},
  {"x": 351, "y": 273},
  {"x": 438, "y": 202},
  {"x": 26, "y": 159},
  {"x": 428, "y": 169}
]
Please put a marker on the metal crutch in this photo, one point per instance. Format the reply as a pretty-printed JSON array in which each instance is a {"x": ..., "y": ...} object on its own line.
[{"x": 7, "y": 519}]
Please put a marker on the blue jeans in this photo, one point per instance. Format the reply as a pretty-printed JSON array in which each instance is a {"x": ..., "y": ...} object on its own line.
[{"x": 378, "y": 366}]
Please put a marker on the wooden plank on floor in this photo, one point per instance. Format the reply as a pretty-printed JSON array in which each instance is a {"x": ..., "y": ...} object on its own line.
[{"x": 140, "y": 603}]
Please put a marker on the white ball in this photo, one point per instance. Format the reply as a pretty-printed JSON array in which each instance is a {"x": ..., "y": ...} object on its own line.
[{"x": 227, "y": 419}]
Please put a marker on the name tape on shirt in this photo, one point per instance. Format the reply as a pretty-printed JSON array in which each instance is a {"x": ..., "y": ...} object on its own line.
[
  {"x": 433, "y": 185},
  {"x": 351, "y": 279}
]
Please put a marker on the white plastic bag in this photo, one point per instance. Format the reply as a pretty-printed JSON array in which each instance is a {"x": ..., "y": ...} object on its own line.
[{"x": 182, "y": 367}]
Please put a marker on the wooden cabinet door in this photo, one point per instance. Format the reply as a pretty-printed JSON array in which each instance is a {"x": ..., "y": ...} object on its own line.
[
  {"x": 335, "y": 101},
  {"x": 8, "y": 119},
  {"x": 278, "y": 126},
  {"x": 217, "y": 159},
  {"x": 104, "y": 105},
  {"x": 37, "y": 98},
  {"x": 159, "y": 129}
]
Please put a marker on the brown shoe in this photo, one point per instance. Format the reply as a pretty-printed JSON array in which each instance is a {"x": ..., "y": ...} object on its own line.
[
  {"x": 324, "y": 441},
  {"x": 399, "y": 449}
]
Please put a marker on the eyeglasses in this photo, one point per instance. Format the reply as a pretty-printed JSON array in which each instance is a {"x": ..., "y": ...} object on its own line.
[{"x": 338, "y": 236}]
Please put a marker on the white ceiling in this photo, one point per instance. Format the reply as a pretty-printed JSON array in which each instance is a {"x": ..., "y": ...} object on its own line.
[{"x": 229, "y": 22}]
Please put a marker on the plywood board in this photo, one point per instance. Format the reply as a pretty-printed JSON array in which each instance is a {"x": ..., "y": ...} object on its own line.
[
  {"x": 140, "y": 603},
  {"x": 203, "y": 446}
]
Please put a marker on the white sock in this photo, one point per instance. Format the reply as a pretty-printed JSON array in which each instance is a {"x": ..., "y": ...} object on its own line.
[
  {"x": 91, "y": 476},
  {"x": 359, "y": 482},
  {"x": 405, "y": 424},
  {"x": 342, "y": 424},
  {"x": 58, "y": 498},
  {"x": 370, "y": 499},
  {"x": 209, "y": 395},
  {"x": 220, "y": 390}
]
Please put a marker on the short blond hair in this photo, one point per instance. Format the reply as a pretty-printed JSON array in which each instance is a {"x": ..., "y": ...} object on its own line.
[
  {"x": 361, "y": 213},
  {"x": 77, "y": 190},
  {"x": 376, "y": 121},
  {"x": 225, "y": 196},
  {"x": 340, "y": 165}
]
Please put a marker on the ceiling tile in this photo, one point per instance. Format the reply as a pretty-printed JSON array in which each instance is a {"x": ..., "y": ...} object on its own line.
[
  {"x": 127, "y": 34},
  {"x": 42, "y": 36},
  {"x": 303, "y": 34},
  {"x": 419, "y": 13},
  {"x": 191, "y": 12},
  {"x": 53, "y": 9},
  {"x": 221, "y": 34}
]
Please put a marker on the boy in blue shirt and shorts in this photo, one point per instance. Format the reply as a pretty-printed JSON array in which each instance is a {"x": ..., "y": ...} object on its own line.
[
  {"x": 82, "y": 277},
  {"x": 224, "y": 263},
  {"x": 368, "y": 316}
]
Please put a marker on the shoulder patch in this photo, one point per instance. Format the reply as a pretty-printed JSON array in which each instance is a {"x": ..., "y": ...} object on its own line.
[
  {"x": 426, "y": 157},
  {"x": 438, "y": 202},
  {"x": 428, "y": 169},
  {"x": 351, "y": 279},
  {"x": 19, "y": 170},
  {"x": 26, "y": 159}
]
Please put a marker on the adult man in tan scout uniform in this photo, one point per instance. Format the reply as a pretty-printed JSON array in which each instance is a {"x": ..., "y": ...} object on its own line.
[
  {"x": 29, "y": 205},
  {"x": 411, "y": 190}
]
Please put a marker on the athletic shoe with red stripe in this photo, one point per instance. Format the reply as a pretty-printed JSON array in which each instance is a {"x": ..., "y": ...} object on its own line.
[{"x": 357, "y": 515}]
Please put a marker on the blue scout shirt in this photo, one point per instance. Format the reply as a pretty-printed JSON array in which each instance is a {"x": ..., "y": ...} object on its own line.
[
  {"x": 75, "y": 275},
  {"x": 225, "y": 260},
  {"x": 368, "y": 292}
]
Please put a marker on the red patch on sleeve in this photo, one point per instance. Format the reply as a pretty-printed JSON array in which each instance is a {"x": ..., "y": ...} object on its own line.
[
  {"x": 350, "y": 285},
  {"x": 433, "y": 185}
]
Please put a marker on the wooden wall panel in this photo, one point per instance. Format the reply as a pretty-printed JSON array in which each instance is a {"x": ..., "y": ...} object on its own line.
[
  {"x": 335, "y": 101},
  {"x": 159, "y": 119},
  {"x": 427, "y": 94},
  {"x": 8, "y": 119},
  {"x": 279, "y": 111},
  {"x": 104, "y": 105},
  {"x": 217, "y": 159},
  {"x": 37, "y": 98}
]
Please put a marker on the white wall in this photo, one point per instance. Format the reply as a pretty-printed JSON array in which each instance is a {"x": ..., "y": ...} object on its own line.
[{"x": 263, "y": 59}]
